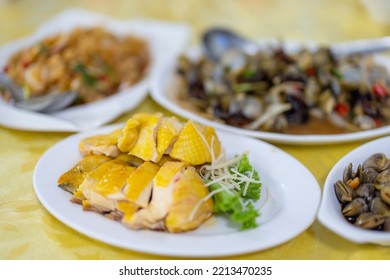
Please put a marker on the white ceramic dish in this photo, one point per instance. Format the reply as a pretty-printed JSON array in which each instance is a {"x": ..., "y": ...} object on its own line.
[
  {"x": 290, "y": 199},
  {"x": 164, "y": 39},
  {"x": 329, "y": 213},
  {"x": 161, "y": 92}
]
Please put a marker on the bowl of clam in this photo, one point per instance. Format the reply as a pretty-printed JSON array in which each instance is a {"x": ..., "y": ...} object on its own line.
[{"x": 356, "y": 195}]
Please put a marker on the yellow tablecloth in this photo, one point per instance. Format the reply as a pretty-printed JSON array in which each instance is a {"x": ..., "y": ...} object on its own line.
[{"x": 28, "y": 231}]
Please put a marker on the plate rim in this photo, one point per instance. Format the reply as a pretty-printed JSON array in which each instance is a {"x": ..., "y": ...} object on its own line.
[
  {"x": 308, "y": 219},
  {"x": 62, "y": 121}
]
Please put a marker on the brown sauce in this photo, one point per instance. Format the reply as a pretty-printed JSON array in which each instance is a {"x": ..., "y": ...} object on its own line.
[{"x": 315, "y": 126}]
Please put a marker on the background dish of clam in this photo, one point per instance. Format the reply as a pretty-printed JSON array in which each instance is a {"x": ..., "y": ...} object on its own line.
[
  {"x": 164, "y": 41},
  {"x": 164, "y": 91},
  {"x": 330, "y": 212},
  {"x": 284, "y": 182}
]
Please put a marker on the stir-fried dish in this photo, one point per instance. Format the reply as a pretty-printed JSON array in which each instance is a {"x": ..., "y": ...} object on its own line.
[
  {"x": 159, "y": 173},
  {"x": 308, "y": 92},
  {"x": 91, "y": 61}
]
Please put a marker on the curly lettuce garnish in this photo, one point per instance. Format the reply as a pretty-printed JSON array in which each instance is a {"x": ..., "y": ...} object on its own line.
[
  {"x": 234, "y": 186},
  {"x": 230, "y": 203}
]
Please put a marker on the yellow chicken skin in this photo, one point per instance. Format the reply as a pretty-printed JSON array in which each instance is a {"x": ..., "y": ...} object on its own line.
[
  {"x": 197, "y": 144},
  {"x": 105, "y": 144},
  {"x": 126, "y": 209},
  {"x": 167, "y": 135},
  {"x": 132, "y": 160},
  {"x": 129, "y": 135},
  {"x": 164, "y": 159},
  {"x": 139, "y": 184},
  {"x": 145, "y": 147},
  {"x": 153, "y": 216},
  {"x": 102, "y": 187},
  {"x": 71, "y": 180},
  {"x": 190, "y": 205},
  {"x": 78, "y": 197}
]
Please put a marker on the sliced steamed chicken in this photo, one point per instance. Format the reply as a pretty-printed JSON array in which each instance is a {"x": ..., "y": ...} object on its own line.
[
  {"x": 103, "y": 187},
  {"x": 145, "y": 145},
  {"x": 106, "y": 144},
  {"x": 129, "y": 135},
  {"x": 191, "y": 205},
  {"x": 71, "y": 180},
  {"x": 132, "y": 160},
  {"x": 152, "y": 217},
  {"x": 151, "y": 182},
  {"x": 168, "y": 132},
  {"x": 139, "y": 184},
  {"x": 149, "y": 137},
  {"x": 196, "y": 144},
  {"x": 176, "y": 193},
  {"x": 138, "y": 190}
]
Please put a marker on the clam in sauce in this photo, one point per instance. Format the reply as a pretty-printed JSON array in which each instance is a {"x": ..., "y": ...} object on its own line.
[
  {"x": 364, "y": 195},
  {"x": 309, "y": 92}
]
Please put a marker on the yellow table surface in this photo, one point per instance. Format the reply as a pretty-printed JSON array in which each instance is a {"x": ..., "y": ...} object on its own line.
[{"x": 28, "y": 231}]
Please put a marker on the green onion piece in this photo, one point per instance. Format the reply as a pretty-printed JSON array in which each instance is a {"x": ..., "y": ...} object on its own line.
[
  {"x": 248, "y": 73},
  {"x": 337, "y": 73},
  {"x": 87, "y": 78},
  {"x": 242, "y": 87}
]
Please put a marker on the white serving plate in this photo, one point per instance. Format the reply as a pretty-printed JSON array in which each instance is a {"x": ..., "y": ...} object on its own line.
[
  {"x": 289, "y": 203},
  {"x": 164, "y": 39},
  {"x": 161, "y": 92},
  {"x": 329, "y": 213}
]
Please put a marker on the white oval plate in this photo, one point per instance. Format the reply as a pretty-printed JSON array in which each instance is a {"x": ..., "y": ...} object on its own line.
[
  {"x": 329, "y": 213},
  {"x": 290, "y": 199},
  {"x": 161, "y": 83},
  {"x": 165, "y": 40}
]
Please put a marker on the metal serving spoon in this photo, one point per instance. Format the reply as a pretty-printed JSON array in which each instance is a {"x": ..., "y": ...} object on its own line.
[
  {"x": 217, "y": 41},
  {"x": 47, "y": 103}
]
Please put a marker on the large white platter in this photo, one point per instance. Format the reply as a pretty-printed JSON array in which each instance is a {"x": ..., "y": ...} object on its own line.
[
  {"x": 165, "y": 40},
  {"x": 329, "y": 213},
  {"x": 289, "y": 203},
  {"x": 162, "y": 93}
]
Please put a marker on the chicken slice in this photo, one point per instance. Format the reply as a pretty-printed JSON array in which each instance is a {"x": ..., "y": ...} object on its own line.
[
  {"x": 190, "y": 204},
  {"x": 103, "y": 187},
  {"x": 129, "y": 135},
  {"x": 145, "y": 147},
  {"x": 167, "y": 134},
  {"x": 196, "y": 144},
  {"x": 139, "y": 184},
  {"x": 71, "y": 180},
  {"x": 132, "y": 160},
  {"x": 127, "y": 210},
  {"x": 105, "y": 144},
  {"x": 138, "y": 190},
  {"x": 153, "y": 216},
  {"x": 164, "y": 159}
]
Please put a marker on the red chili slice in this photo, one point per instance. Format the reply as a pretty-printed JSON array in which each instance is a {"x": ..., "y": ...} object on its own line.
[
  {"x": 103, "y": 78},
  {"x": 342, "y": 109},
  {"x": 379, "y": 91},
  {"x": 310, "y": 71}
]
